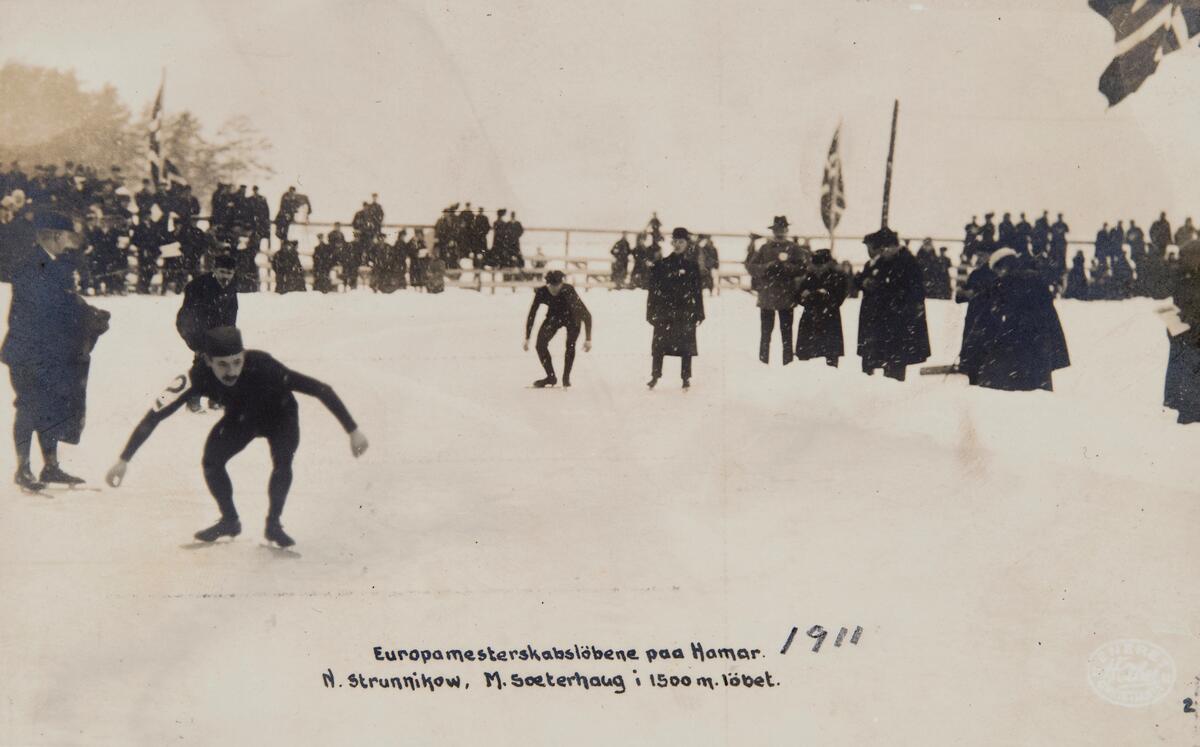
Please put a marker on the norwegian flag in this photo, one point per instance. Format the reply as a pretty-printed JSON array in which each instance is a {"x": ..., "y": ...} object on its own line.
[
  {"x": 1146, "y": 31},
  {"x": 156, "y": 159},
  {"x": 833, "y": 196}
]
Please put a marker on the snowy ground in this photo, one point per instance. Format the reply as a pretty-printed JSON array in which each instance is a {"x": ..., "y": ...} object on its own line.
[{"x": 986, "y": 542}]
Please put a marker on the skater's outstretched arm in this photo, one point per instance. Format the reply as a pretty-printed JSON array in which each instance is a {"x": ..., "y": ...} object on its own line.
[
  {"x": 298, "y": 382},
  {"x": 172, "y": 398},
  {"x": 537, "y": 301}
]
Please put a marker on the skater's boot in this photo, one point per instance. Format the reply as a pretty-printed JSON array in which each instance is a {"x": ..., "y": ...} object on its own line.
[
  {"x": 276, "y": 534},
  {"x": 24, "y": 478},
  {"x": 54, "y": 473},
  {"x": 566, "y": 382},
  {"x": 650, "y": 384},
  {"x": 687, "y": 383},
  {"x": 226, "y": 527},
  {"x": 543, "y": 383}
]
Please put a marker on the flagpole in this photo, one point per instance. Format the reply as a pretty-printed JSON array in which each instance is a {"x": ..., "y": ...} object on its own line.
[{"x": 887, "y": 180}]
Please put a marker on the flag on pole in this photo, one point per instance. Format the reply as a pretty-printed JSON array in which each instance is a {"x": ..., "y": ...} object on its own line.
[
  {"x": 833, "y": 196},
  {"x": 172, "y": 174},
  {"x": 156, "y": 160},
  {"x": 1146, "y": 30}
]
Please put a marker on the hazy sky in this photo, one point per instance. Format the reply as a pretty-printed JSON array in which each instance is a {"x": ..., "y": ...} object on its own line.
[{"x": 717, "y": 114}]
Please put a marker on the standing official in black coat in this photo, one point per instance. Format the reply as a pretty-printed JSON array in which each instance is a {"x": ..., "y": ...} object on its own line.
[
  {"x": 1020, "y": 338},
  {"x": 51, "y": 332},
  {"x": 675, "y": 307},
  {"x": 892, "y": 331}
]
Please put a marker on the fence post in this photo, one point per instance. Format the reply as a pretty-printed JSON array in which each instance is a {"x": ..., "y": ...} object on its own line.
[{"x": 567, "y": 245}]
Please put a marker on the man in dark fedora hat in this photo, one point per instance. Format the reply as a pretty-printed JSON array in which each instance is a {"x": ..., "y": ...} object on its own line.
[
  {"x": 51, "y": 333},
  {"x": 892, "y": 331},
  {"x": 675, "y": 307},
  {"x": 776, "y": 266}
]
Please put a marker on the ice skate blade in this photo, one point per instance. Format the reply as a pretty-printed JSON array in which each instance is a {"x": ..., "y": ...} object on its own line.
[
  {"x": 201, "y": 544},
  {"x": 285, "y": 552}
]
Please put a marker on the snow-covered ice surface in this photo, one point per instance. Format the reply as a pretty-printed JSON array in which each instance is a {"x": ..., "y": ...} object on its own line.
[{"x": 986, "y": 542}]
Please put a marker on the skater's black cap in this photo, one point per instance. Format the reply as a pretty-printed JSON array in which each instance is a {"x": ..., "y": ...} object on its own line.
[
  {"x": 554, "y": 277},
  {"x": 225, "y": 262},
  {"x": 222, "y": 341},
  {"x": 681, "y": 233}
]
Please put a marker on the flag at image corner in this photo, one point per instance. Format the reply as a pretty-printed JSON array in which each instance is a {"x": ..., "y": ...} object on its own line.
[
  {"x": 1145, "y": 31},
  {"x": 156, "y": 166},
  {"x": 833, "y": 196}
]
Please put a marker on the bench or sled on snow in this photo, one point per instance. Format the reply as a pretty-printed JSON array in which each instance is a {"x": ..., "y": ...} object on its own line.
[{"x": 941, "y": 370}]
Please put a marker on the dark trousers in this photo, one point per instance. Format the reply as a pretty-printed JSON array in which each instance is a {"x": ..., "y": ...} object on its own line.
[
  {"x": 546, "y": 333},
  {"x": 227, "y": 439},
  {"x": 685, "y": 366},
  {"x": 768, "y": 327},
  {"x": 36, "y": 412}
]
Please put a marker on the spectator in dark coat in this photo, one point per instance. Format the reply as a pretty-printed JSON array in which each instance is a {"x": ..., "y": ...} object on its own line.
[
  {"x": 1022, "y": 341},
  {"x": 641, "y": 262},
  {"x": 892, "y": 331},
  {"x": 260, "y": 213},
  {"x": 1006, "y": 231},
  {"x": 435, "y": 273},
  {"x": 1077, "y": 282},
  {"x": 289, "y": 273},
  {"x": 1058, "y": 244},
  {"x": 710, "y": 262},
  {"x": 290, "y": 203},
  {"x": 1181, "y": 390},
  {"x": 675, "y": 307},
  {"x": 324, "y": 261},
  {"x": 1160, "y": 234},
  {"x": 821, "y": 291},
  {"x": 777, "y": 267},
  {"x": 620, "y": 264},
  {"x": 51, "y": 332},
  {"x": 1041, "y": 234}
]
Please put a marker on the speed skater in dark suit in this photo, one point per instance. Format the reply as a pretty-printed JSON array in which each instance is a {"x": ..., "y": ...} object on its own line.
[
  {"x": 564, "y": 310},
  {"x": 256, "y": 392}
]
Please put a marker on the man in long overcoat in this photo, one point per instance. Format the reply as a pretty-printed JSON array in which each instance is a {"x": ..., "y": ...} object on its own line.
[
  {"x": 675, "y": 307},
  {"x": 892, "y": 331},
  {"x": 51, "y": 332}
]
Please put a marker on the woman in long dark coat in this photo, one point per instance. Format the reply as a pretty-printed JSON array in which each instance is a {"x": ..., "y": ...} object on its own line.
[
  {"x": 1181, "y": 391},
  {"x": 892, "y": 331},
  {"x": 675, "y": 306},
  {"x": 1021, "y": 337},
  {"x": 975, "y": 293},
  {"x": 821, "y": 291}
]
